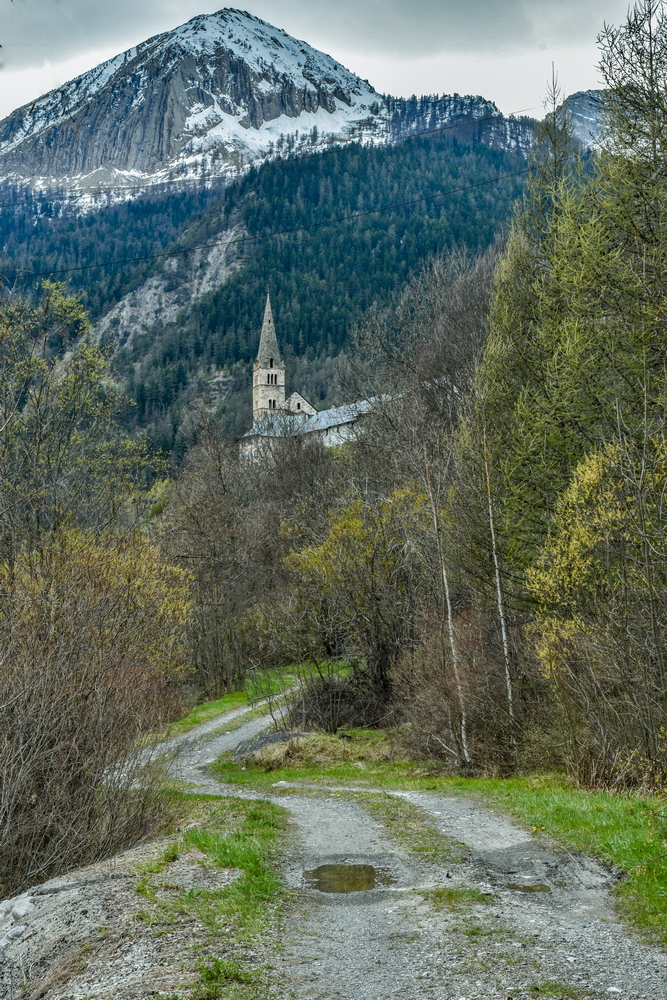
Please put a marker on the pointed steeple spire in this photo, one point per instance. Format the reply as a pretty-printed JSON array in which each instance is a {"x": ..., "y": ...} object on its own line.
[{"x": 268, "y": 355}]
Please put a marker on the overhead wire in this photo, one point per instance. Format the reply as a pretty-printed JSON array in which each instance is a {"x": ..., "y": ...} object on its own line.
[{"x": 263, "y": 236}]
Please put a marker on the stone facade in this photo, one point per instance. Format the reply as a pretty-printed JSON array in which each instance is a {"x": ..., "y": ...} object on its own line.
[
  {"x": 275, "y": 417},
  {"x": 268, "y": 371}
]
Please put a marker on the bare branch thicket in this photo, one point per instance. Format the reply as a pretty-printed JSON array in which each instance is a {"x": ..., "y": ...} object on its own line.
[
  {"x": 230, "y": 522},
  {"x": 91, "y": 618},
  {"x": 92, "y": 645}
]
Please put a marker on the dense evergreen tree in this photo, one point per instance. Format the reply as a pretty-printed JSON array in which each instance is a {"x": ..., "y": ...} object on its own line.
[{"x": 322, "y": 277}]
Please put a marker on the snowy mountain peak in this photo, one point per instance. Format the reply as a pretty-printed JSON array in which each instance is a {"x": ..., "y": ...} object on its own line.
[
  {"x": 265, "y": 49},
  {"x": 205, "y": 100}
]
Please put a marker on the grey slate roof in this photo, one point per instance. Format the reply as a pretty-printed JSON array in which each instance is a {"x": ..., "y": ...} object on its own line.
[
  {"x": 285, "y": 424},
  {"x": 268, "y": 342},
  {"x": 336, "y": 416}
]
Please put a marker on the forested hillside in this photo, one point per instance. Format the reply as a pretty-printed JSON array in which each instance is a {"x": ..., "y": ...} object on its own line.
[{"x": 322, "y": 279}]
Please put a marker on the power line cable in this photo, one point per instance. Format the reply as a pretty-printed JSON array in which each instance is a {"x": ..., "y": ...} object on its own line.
[{"x": 264, "y": 236}]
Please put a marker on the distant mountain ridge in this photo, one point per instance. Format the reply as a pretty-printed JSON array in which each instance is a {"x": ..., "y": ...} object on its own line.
[{"x": 209, "y": 98}]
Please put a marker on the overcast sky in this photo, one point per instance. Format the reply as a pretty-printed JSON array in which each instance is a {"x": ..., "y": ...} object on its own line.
[{"x": 501, "y": 49}]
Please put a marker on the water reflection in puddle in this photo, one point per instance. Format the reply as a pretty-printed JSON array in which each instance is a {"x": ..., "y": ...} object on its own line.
[{"x": 347, "y": 878}]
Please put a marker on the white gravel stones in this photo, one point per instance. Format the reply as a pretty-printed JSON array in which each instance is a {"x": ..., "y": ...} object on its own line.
[
  {"x": 22, "y": 907},
  {"x": 13, "y": 934}
]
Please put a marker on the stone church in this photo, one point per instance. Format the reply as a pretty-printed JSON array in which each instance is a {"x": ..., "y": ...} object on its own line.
[{"x": 273, "y": 416}]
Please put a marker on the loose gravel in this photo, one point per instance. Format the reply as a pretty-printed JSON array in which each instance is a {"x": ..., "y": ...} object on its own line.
[{"x": 548, "y": 928}]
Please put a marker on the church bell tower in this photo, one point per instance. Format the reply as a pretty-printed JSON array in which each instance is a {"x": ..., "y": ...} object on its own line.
[{"x": 268, "y": 371}]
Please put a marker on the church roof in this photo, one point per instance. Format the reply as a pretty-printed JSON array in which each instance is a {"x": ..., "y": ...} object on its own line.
[
  {"x": 282, "y": 423},
  {"x": 268, "y": 342},
  {"x": 336, "y": 416}
]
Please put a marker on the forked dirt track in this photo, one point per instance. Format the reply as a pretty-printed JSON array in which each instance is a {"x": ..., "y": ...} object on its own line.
[
  {"x": 390, "y": 941},
  {"x": 506, "y": 917}
]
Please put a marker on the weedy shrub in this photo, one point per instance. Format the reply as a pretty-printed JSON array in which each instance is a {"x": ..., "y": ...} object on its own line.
[
  {"x": 324, "y": 750},
  {"x": 91, "y": 640}
]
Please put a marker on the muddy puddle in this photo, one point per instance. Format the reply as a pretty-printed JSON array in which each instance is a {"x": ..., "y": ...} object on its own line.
[{"x": 347, "y": 878}]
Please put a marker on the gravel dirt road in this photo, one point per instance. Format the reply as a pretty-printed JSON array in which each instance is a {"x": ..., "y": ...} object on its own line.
[
  {"x": 507, "y": 916},
  {"x": 549, "y": 928}
]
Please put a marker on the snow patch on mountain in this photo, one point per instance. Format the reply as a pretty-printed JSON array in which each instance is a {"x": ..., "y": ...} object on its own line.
[
  {"x": 264, "y": 48},
  {"x": 206, "y": 101}
]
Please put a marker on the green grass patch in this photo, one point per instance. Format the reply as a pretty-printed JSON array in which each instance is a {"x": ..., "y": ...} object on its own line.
[
  {"x": 267, "y": 684},
  {"x": 230, "y": 833},
  {"x": 561, "y": 990},
  {"x": 217, "y": 976},
  {"x": 412, "y": 827},
  {"x": 358, "y": 758},
  {"x": 259, "y": 685},
  {"x": 210, "y": 710},
  {"x": 451, "y": 899},
  {"x": 625, "y": 831}
]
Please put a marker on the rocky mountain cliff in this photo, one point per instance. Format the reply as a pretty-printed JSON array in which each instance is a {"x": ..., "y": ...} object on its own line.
[
  {"x": 212, "y": 95},
  {"x": 586, "y": 112},
  {"x": 207, "y": 99}
]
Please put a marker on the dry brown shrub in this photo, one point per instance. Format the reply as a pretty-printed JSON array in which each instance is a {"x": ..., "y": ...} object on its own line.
[
  {"x": 91, "y": 643},
  {"x": 324, "y": 750},
  {"x": 433, "y": 702}
]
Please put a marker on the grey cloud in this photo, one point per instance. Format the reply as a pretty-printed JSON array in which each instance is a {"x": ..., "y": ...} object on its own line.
[
  {"x": 54, "y": 30},
  {"x": 429, "y": 26}
]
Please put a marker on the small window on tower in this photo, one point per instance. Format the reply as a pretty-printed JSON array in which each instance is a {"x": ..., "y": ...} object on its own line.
[
  {"x": 270, "y": 362},
  {"x": 298, "y": 406}
]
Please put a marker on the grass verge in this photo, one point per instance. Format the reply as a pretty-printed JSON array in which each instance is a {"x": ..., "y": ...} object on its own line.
[
  {"x": 259, "y": 685},
  {"x": 234, "y": 921},
  {"x": 625, "y": 831},
  {"x": 628, "y": 832},
  {"x": 412, "y": 827},
  {"x": 210, "y": 710},
  {"x": 453, "y": 899}
]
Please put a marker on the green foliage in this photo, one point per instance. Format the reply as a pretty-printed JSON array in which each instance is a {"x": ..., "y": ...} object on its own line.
[
  {"x": 64, "y": 460},
  {"x": 446, "y": 898},
  {"x": 568, "y": 410},
  {"x": 322, "y": 280},
  {"x": 364, "y": 565}
]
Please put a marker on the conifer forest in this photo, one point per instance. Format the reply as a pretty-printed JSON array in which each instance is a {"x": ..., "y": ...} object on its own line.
[{"x": 482, "y": 570}]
